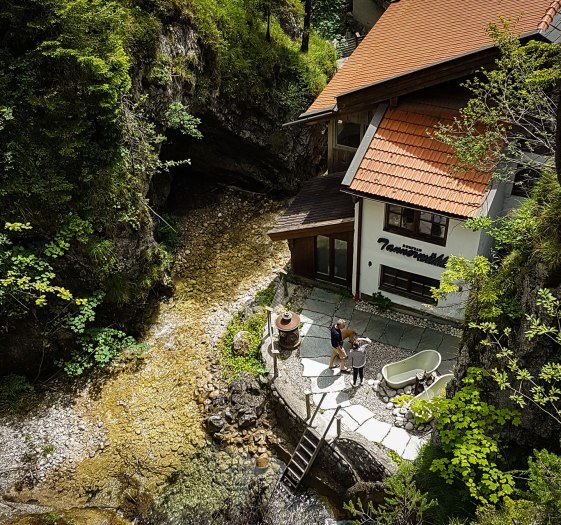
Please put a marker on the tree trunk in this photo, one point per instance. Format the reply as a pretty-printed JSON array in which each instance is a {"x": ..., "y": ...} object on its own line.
[
  {"x": 307, "y": 24},
  {"x": 268, "y": 33}
]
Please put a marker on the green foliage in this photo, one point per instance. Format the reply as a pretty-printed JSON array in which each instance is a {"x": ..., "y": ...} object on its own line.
[
  {"x": 453, "y": 499},
  {"x": 102, "y": 346},
  {"x": 543, "y": 391},
  {"x": 177, "y": 117},
  {"x": 251, "y": 363},
  {"x": 473, "y": 277},
  {"x": 514, "y": 99},
  {"x": 16, "y": 395},
  {"x": 545, "y": 485},
  {"x": 521, "y": 512},
  {"x": 468, "y": 429},
  {"x": 403, "y": 504},
  {"x": 248, "y": 70},
  {"x": 265, "y": 297},
  {"x": 328, "y": 18},
  {"x": 403, "y": 399},
  {"x": 381, "y": 302}
]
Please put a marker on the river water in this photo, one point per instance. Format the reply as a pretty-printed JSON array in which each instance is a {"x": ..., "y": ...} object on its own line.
[{"x": 157, "y": 463}]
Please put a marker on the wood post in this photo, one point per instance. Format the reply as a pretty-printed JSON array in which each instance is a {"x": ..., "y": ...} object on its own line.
[
  {"x": 283, "y": 274},
  {"x": 308, "y": 395},
  {"x": 338, "y": 418}
]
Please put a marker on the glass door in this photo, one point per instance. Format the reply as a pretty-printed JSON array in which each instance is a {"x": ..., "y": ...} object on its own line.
[{"x": 332, "y": 259}]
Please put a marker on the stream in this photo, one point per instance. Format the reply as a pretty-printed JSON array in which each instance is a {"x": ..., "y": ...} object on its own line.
[{"x": 152, "y": 459}]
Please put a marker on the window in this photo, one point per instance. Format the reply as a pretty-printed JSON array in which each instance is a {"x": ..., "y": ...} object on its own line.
[
  {"x": 408, "y": 284},
  {"x": 348, "y": 134},
  {"x": 423, "y": 225}
]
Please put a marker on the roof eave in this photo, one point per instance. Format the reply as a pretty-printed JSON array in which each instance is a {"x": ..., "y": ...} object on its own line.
[{"x": 376, "y": 198}]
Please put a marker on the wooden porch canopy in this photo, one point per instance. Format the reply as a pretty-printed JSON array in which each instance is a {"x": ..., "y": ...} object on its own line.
[{"x": 320, "y": 208}]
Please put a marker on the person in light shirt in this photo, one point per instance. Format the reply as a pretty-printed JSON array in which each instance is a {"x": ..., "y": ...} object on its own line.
[{"x": 357, "y": 358}]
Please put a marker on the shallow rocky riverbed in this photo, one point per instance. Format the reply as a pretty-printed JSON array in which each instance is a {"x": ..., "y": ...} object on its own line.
[{"x": 117, "y": 441}]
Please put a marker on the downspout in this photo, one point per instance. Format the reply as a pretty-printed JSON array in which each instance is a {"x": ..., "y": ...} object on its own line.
[{"x": 358, "y": 250}]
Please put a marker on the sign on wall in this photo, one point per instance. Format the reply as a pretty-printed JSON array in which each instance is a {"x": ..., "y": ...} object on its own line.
[{"x": 415, "y": 253}]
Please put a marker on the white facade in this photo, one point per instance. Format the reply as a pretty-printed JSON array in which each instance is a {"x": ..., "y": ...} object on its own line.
[{"x": 460, "y": 242}]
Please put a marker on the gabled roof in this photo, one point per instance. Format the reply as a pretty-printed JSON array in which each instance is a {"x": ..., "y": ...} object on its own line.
[
  {"x": 319, "y": 207},
  {"x": 403, "y": 164},
  {"x": 415, "y": 34}
]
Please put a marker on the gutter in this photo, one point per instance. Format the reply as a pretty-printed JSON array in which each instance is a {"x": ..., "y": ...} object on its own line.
[{"x": 316, "y": 116}]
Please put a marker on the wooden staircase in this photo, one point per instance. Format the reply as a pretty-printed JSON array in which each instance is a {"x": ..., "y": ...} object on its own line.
[{"x": 305, "y": 452}]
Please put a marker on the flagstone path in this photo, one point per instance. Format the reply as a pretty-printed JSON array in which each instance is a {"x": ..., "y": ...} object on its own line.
[{"x": 320, "y": 310}]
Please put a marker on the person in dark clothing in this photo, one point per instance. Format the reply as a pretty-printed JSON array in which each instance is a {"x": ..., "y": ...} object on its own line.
[
  {"x": 357, "y": 358},
  {"x": 337, "y": 346}
]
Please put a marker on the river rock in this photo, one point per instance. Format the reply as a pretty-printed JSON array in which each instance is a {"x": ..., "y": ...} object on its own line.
[
  {"x": 262, "y": 461},
  {"x": 409, "y": 426},
  {"x": 242, "y": 343},
  {"x": 247, "y": 419},
  {"x": 215, "y": 423}
]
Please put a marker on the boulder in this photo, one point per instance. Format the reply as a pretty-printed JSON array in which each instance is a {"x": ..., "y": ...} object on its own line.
[{"x": 242, "y": 343}]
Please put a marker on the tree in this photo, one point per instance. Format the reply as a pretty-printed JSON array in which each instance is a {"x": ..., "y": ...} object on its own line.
[
  {"x": 307, "y": 25},
  {"x": 404, "y": 503},
  {"x": 513, "y": 109}
]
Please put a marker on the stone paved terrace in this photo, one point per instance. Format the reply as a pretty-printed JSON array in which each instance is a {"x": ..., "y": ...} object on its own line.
[{"x": 363, "y": 409}]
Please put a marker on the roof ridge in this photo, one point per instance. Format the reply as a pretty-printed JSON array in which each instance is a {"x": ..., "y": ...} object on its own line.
[{"x": 552, "y": 10}]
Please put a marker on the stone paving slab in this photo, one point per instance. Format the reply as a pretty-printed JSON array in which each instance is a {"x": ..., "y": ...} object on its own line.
[
  {"x": 397, "y": 440},
  {"x": 320, "y": 307},
  {"x": 318, "y": 367},
  {"x": 447, "y": 367},
  {"x": 359, "y": 321},
  {"x": 449, "y": 347},
  {"x": 325, "y": 295},
  {"x": 412, "y": 449},
  {"x": 334, "y": 383},
  {"x": 393, "y": 333},
  {"x": 411, "y": 338},
  {"x": 359, "y": 413},
  {"x": 313, "y": 330},
  {"x": 343, "y": 313},
  {"x": 374, "y": 430},
  {"x": 332, "y": 400},
  {"x": 430, "y": 340},
  {"x": 309, "y": 317},
  {"x": 376, "y": 327},
  {"x": 313, "y": 347}
]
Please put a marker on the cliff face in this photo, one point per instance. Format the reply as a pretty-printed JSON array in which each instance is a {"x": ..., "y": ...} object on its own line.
[
  {"x": 243, "y": 141},
  {"x": 112, "y": 94},
  {"x": 537, "y": 429}
]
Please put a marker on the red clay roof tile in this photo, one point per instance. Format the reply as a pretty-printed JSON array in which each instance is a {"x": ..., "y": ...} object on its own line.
[
  {"x": 414, "y": 34},
  {"x": 413, "y": 168}
]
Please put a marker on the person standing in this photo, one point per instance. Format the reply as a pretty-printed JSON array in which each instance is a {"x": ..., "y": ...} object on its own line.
[
  {"x": 357, "y": 358},
  {"x": 337, "y": 346}
]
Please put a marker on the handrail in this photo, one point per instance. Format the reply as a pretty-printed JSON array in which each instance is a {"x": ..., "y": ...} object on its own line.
[{"x": 317, "y": 409}]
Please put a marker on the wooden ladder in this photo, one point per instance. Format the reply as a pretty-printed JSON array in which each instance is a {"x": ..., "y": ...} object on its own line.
[{"x": 305, "y": 452}]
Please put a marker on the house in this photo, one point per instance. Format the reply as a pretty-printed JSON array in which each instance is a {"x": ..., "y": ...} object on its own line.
[{"x": 391, "y": 210}]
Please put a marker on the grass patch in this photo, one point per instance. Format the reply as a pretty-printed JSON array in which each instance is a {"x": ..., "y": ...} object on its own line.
[
  {"x": 254, "y": 325},
  {"x": 17, "y": 395},
  {"x": 265, "y": 297}
]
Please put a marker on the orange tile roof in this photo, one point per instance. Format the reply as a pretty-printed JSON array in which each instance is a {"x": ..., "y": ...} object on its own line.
[
  {"x": 404, "y": 164},
  {"x": 414, "y": 34}
]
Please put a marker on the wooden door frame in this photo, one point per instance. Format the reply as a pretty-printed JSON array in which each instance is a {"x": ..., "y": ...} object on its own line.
[{"x": 348, "y": 238}]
